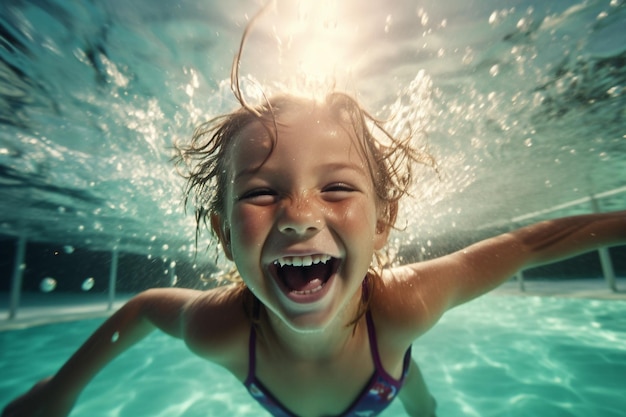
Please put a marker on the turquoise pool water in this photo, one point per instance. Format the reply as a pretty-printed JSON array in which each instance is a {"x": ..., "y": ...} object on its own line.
[
  {"x": 496, "y": 356},
  {"x": 521, "y": 102}
]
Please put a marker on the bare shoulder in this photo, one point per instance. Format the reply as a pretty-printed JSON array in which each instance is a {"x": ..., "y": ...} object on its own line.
[
  {"x": 409, "y": 300},
  {"x": 215, "y": 325}
]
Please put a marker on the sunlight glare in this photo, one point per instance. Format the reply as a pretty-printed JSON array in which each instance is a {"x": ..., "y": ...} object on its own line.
[{"x": 318, "y": 43}]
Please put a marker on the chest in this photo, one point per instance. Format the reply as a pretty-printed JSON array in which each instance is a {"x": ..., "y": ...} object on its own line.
[
  {"x": 326, "y": 388},
  {"x": 314, "y": 389}
]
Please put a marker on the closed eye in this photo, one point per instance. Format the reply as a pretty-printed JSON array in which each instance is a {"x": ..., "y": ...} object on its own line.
[
  {"x": 260, "y": 196},
  {"x": 338, "y": 191},
  {"x": 339, "y": 187}
]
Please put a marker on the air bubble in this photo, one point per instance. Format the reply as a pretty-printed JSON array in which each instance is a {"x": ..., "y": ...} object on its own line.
[
  {"x": 388, "y": 23},
  {"x": 115, "y": 337},
  {"x": 493, "y": 18},
  {"x": 88, "y": 284},
  {"x": 468, "y": 57},
  {"x": 48, "y": 284},
  {"x": 615, "y": 91}
]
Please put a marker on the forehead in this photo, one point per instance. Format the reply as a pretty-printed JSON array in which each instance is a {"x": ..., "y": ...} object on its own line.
[{"x": 302, "y": 136}]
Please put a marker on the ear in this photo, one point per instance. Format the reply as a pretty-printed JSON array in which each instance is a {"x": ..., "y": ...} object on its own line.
[
  {"x": 382, "y": 234},
  {"x": 222, "y": 232},
  {"x": 386, "y": 219}
]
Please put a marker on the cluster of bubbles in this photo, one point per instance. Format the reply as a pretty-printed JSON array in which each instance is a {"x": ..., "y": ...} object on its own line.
[{"x": 49, "y": 284}]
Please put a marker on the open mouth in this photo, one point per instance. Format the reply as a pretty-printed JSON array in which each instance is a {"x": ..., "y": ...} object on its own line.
[{"x": 304, "y": 275}]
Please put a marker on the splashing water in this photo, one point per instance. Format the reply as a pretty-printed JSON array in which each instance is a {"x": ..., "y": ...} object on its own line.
[{"x": 521, "y": 104}]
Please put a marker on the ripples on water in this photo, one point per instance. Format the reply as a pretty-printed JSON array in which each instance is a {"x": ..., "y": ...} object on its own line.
[
  {"x": 541, "y": 356},
  {"x": 521, "y": 104}
]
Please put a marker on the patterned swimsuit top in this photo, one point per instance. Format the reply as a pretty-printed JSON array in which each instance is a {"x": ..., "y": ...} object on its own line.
[{"x": 377, "y": 394}]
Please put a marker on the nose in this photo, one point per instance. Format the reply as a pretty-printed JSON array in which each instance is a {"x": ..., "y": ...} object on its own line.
[{"x": 300, "y": 217}]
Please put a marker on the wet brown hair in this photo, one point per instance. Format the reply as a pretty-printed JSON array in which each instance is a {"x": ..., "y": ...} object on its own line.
[{"x": 203, "y": 161}]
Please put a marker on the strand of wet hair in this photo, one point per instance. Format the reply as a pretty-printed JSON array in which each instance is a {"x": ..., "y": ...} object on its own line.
[{"x": 235, "y": 83}]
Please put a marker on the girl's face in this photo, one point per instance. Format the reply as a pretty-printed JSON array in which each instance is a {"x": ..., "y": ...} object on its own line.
[{"x": 301, "y": 223}]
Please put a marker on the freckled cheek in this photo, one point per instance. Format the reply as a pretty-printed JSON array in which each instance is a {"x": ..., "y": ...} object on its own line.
[
  {"x": 249, "y": 226},
  {"x": 361, "y": 217}
]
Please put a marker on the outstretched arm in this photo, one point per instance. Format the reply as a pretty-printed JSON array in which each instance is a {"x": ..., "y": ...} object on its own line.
[
  {"x": 55, "y": 396},
  {"x": 487, "y": 264},
  {"x": 428, "y": 289}
]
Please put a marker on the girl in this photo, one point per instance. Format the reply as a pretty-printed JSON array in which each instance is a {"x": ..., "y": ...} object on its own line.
[{"x": 302, "y": 195}]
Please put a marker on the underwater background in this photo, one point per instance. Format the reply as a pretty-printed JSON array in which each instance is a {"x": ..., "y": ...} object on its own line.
[{"x": 521, "y": 103}]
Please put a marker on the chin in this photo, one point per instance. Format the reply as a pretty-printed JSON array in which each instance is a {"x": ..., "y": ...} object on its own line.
[
  {"x": 309, "y": 319},
  {"x": 316, "y": 317}
]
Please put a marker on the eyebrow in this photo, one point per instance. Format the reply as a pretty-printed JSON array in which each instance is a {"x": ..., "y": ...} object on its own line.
[
  {"x": 337, "y": 166},
  {"x": 331, "y": 166}
]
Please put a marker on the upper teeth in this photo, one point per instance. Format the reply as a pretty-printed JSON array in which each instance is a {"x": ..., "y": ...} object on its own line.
[{"x": 302, "y": 260}]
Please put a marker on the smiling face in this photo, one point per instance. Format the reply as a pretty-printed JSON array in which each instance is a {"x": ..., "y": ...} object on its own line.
[{"x": 301, "y": 219}]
